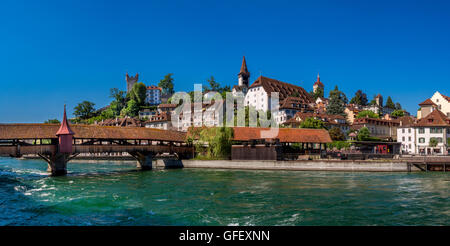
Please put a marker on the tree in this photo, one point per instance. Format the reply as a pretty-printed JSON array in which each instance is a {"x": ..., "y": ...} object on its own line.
[
  {"x": 336, "y": 134},
  {"x": 389, "y": 103},
  {"x": 52, "y": 121},
  {"x": 167, "y": 84},
  {"x": 367, "y": 113},
  {"x": 398, "y": 106},
  {"x": 360, "y": 98},
  {"x": 84, "y": 110},
  {"x": 213, "y": 85},
  {"x": 398, "y": 113},
  {"x": 132, "y": 109},
  {"x": 363, "y": 134},
  {"x": 312, "y": 123},
  {"x": 119, "y": 102},
  {"x": 338, "y": 101},
  {"x": 433, "y": 142},
  {"x": 138, "y": 93},
  {"x": 318, "y": 93}
]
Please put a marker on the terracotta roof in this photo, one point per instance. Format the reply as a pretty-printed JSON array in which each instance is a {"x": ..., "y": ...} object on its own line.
[
  {"x": 285, "y": 135},
  {"x": 167, "y": 105},
  {"x": 427, "y": 103},
  {"x": 328, "y": 117},
  {"x": 446, "y": 97},
  {"x": 48, "y": 131},
  {"x": 284, "y": 89},
  {"x": 407, "y": 120},
  {"x": 125, "y": 122},
  {"x": 153, "y": 87},
  {"x": 244, "y": 69},
  {"x": 366, "y": 120},
  {"x": 294, "y": 103},
  {"x": 164, "y": 116},
  {"x": 435, "y": 118},
  {"x": 64, "y": 129}
]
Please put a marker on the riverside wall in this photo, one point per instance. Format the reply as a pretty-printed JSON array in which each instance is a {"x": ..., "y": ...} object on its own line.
[{"x": 303, "y": 165}]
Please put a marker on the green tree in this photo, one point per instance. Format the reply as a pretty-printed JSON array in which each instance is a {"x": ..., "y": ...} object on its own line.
[
  {"x": 84, "y": 110},
  {"x": 398, "y": 113},
  {"x": 363, "y": 134},
  {"x": 336, "y": 134},
  {"x": 311, "y": 122},
  {"x": 213, "y": 85},
  {"x": 433, "y": 142},
  {"x": 132, "y": 109},
  {"x": 167, "y": 84},
  {"x": 389, "y": 103},
  {"x": 138, "y": 93},
  {"x": 398, "y": 106},
  {"x": 337, "y": 103},
  {"x": 360, "y": 98},
  {"x": 119, "y": 102},
  {"x": 212, "y": 143},
  {"x": 367, "y": 113},
  {"x": 52, "y": 121}
]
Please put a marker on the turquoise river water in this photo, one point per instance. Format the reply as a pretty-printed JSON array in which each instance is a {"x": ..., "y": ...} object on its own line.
[{"x": 113, "y": 193}]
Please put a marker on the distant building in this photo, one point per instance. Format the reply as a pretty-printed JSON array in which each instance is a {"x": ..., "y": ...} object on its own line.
[
  {"x": 243, "y": 79},
  {"x": 437, "y": 101},
  {"x": 160, "y": 121},
  {"x": 384, "y": 129},
  {"x": 318, "y": 84},
  {"x": 131, "y": 81},
  {"x": 330, "y": 121},
  {"x": 259, "y": 93},
  {"x": 153, "y": 96}
]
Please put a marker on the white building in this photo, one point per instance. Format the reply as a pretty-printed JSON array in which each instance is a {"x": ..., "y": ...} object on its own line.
[
  {"x": 153, "y": 96},
  {"x": 259, "y": 93},
  {"x": 437, "y": 101},
  {"x": 416, "y": 138}
]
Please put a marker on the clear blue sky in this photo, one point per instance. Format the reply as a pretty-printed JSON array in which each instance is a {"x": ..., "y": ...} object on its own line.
[{"x": 57, "y": 52}]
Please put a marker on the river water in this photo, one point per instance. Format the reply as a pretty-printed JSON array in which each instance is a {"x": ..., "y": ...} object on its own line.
[{"x": 113, "y": 193}]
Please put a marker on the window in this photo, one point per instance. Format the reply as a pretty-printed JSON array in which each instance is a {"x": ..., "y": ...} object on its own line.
[
  {"x": 439, "y": 140},
  {"x": 421, "y": 130},
  {"x": 409, "y": 130},
  {"x": 403, "y": 130},
  {"x": 409, "y": 139},
  {"x": 403, "y": 139},
  {"x": 421, "y": 140}
]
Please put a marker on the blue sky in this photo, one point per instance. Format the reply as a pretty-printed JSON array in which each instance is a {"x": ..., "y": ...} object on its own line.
[{"x": 63, "y": 52}]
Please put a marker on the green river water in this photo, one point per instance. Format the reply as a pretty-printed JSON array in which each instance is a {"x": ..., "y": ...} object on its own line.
[{"x": 113, "y": 193}]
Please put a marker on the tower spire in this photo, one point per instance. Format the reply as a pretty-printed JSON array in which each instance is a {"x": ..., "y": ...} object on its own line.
[
  {"x": 64, "y": 129},
  {"x": 318, "y": 77}
]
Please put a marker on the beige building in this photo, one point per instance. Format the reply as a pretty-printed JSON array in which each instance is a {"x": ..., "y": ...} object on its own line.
[{"x": 437, "y": 101}]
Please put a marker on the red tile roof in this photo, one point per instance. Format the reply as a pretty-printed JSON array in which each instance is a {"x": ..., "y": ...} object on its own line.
[
  {"x": 318, "y": 82},
  {"x": 285, "y": 135},
  {"x": 284, "y": 89},
  {"x": 435, "y": 118},
  {"x": 427, "y": 103}
]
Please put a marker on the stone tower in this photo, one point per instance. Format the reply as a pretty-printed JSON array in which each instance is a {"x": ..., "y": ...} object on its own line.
[
  {"x": 131, "y": 81},
  {"x": 379, "y": 100},
  {"x": 243, "y": 75}
]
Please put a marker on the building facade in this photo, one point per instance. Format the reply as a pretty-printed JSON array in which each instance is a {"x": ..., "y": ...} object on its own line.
[{"x": 153, "y": 95}]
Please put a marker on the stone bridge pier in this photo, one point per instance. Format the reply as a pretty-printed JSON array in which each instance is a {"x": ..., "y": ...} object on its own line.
[
  {"x": 57, "y": 163},
  {"x": 144, "y": 159}
]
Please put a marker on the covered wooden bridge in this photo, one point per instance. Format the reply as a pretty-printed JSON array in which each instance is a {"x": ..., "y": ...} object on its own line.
[
  {"x": 251, "y": 144},
  {"x": 58, "y": 144}
]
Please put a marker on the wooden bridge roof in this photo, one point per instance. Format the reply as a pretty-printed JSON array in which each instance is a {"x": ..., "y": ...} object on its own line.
[
  {"x": 285, "y": 135},
  {"x": 48, "y": 131}
]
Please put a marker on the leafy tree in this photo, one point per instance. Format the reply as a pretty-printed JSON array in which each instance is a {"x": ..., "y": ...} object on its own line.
[
  {"x": 398, "y": 113},
  {"x": 212, "y": 143},
  {"x": 367, "y": 113},
  {"x": 132, "y": 109},
  {"x": 398, "y": 106},
  {"x": 138, "y": 93},
  {"x": 389, "y": 103},
  {"x": 318, "y": 93},
  {"x": 433, "y": 142},
  {"x": 336, "y": 134},
  {"x": 167, "y": 84},
  {"x": 363, "y": 134},
  {"x": 338, "y": 101},
  {"x": 119, "y": 102},
  {"x": 360, "y": 98},
  {"x": 52, "y": 121},
  {"x": 213, "y": 85},
  {"x": 312, "y": 123},
  {"x": 84, "y": 110}
]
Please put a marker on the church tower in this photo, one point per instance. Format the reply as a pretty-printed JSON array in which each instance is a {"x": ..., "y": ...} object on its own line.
[
  {"x": 318, "y": 84},
  {"x": 131, "y": 81},
  {"x": 243, "y": 75}
]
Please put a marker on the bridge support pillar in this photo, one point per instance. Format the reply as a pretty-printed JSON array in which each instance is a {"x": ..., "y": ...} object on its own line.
[
  {"x": 144, "y": 160},
  {"x": 57, "y": 163}
]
